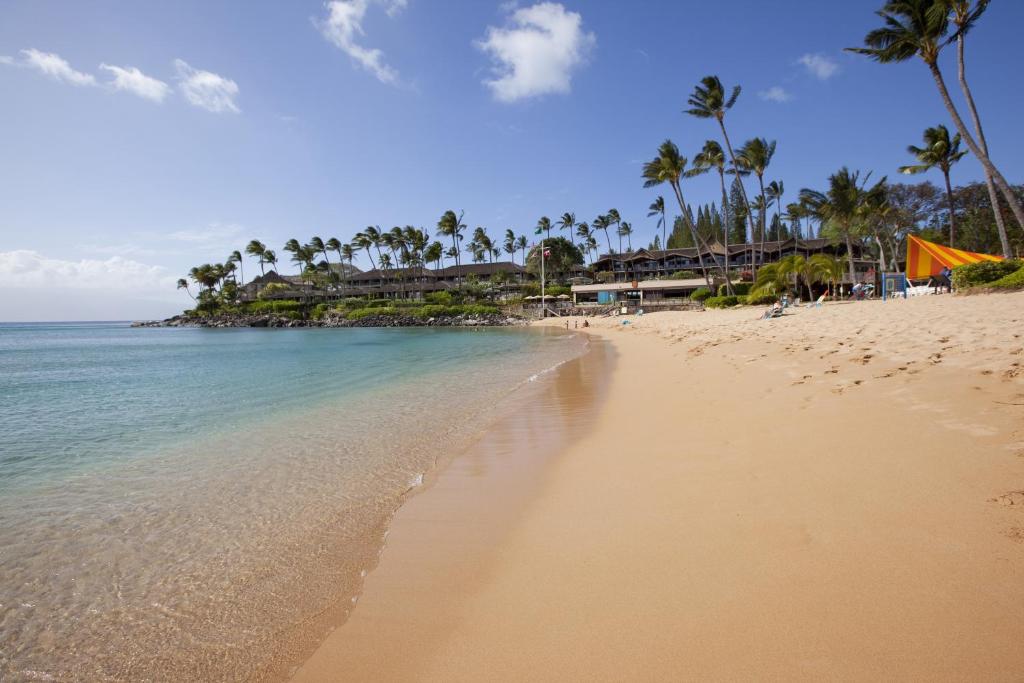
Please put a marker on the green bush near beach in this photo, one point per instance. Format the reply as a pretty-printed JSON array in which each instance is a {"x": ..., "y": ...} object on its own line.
[
  {"x": 700, "y": 294},
  {"x": 281, "y": 307},
  {"x": 759, "y": 299},
  {"x": 722, "y": 301},
  {"x": 738, "y": 288},
  {"x": 1013, "y": 281},
  {"x": 975, "y": 274},
  {"x": 423, "y": 311}
]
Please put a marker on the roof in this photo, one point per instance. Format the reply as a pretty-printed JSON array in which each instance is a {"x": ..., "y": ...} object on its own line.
[
  {"x": 646, "y": 285},
  {"x": 480, "y": 269}
]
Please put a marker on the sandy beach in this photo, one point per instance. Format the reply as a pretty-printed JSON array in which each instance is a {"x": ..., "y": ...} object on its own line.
[{"x": 835, "y": 494}]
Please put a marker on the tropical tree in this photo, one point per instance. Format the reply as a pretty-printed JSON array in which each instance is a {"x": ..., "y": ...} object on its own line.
[
  {"x": 297, "y": 251},
  {"x": 509, "y": 245},
  {"x": 843, "y": 207},
  {"x": 544, "y": 226},
  {"x": 452, "y": 226},
  {"x": 708, "y": 101},
  {"x": 257, "y": 249},
  {"x": 615, "y": 219},
  {"x": 776, "y": 189},
  {"x": 939, "y": 151},
  {"x": 668, "y": 167},
  {"x": 657, "y": 208},
  {"x": 626, "y": 230},
  {"x": 236, "y": 258},
  {"x": 601, "y": 223},
  {"x": 521, "y": 244},
  {"x": 183, "y": 284},
  {"x": 919, "y": 28},
  {"x": 362, "y": 241},
  {"x": 827, "y": 268},
  {"x": 711, "y": 156},
  {"x": 567, "y": 222},
  {"x": 270, "y": 258},
  {"x": 754, "y": 156},
  {"x": 347, "y": 252},
  {"x": 334, "y": 244},
  {"x": 434, "y": 253},
  {"x": 562, "y": 255}
]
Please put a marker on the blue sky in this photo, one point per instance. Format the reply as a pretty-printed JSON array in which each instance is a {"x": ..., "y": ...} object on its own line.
[{"x": 139, "y": 139}]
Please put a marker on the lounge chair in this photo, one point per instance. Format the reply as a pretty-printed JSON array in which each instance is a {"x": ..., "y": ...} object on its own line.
[{"x": 818, "y": 303}]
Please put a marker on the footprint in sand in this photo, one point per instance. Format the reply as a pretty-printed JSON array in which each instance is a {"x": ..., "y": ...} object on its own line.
[
  {"x": 1011, "y": 499},
  {"x": 1015, "y": 533},
  {"x": 935, "y": 358},
  {"x": 1013, "y": 372},
  {"x": 865, "y": 359}
]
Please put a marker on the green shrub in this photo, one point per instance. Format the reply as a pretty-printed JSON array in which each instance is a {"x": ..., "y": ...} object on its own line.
[
  {"x": 721, "y": 301},
  {"x": 1014, "y": 280},
  {"x": 974, "y": 274},
  {"x": 319, "y": 310},
  {"x": 271, "y": 289},
  {"x": 282, "y": 306},
  {"x": 760, "y": 299},
  {"x": 683, "y": 275},
  {"x": 360, "y": 313},
  {"x": 738, "y": 288},
  {"x": 439, "y": 298},
  {"x": 700, "y": 294}
]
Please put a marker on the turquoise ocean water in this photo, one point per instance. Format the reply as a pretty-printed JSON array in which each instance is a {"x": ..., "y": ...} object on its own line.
[{"x": 176, "y": 502}]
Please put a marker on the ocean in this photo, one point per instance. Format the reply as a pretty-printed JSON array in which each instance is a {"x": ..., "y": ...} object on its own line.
[{"x": 176, "y": 504}]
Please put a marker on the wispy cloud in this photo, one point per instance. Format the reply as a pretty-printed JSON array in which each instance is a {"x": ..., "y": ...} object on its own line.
[
  {"x": 56, "y": 67},
  {"x": 24, "y": 269},
  {"x": 776, "y": 93},
  {"x": 130, "y": 79},
  {"x": 820, "y": 66},
  {"x": 537, "y": 53},
  {"x": 206, "y": 89},
  {"x": 343, "y": 26}
]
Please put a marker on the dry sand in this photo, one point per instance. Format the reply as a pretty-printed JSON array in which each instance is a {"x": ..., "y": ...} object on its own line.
[{"x": 835, "y": 494}]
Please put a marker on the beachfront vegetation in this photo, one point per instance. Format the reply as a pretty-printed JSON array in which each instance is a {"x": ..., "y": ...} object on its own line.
[{"x": 985, "y": 272}]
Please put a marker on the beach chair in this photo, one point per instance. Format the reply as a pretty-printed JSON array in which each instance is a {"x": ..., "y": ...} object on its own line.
[{"x": 818, "y": 303}]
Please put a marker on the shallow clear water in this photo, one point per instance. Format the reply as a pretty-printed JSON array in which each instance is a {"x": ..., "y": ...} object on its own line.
[{"x": 177, "y": 503}]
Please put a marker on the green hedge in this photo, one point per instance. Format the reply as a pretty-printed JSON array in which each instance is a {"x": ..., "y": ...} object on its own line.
[
  {"x": 974, "y": 274},
  {"x": 761, "y": 299},
  {"x": 282, "y": 306},
  {"x": 1014, "y": 280},
  {"x": 427, "y": 311},
  {"x": 721, "y": 301},
  {"x": 361, "y": 313},
  {"x": 700, "y": 294}
]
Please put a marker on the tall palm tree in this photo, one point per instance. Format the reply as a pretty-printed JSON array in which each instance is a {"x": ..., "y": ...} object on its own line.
[
  {"x": 567, "y": 222},
  {"x": 939, "y": 151},
  {"x": 521, "y": 244},
  {"x": 626, "y": 230},
  {"x": 827, "y": 268},
  {"x": 434, "y": 253},
  {"x": 334, "y": 244},
  {"x": 965, "y": 14},
  {"x": 347, "y": 252},
  {"x": 452, "y": 226},
  {"x": 615, "y": 219},
  {"x": 843, "y": 206},
  {"x": 183, "y": 284},
  {"x": 657, "y": 208},
  {"x": 754, "y": 156},
  {"x": 601, "y": 223},
  {"x": 270, "y": 258},
  {"x": 510, "y": 244},
  {"x": 236, "y": 257},
  {"x": 919, "y": 28},
  {"x": 257, "y": 249},
  {"x": 544, "y": 226},
  {"x": 362, "y": 241},
  {"x": 713, "y": 156},
  {"x": 668, "y": 167},
  {"x": 708, "y": 101},
  {"x": 293, "y": 247}
]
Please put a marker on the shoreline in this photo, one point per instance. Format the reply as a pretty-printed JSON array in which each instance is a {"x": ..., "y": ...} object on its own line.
[{"x": 836, "y": 493}]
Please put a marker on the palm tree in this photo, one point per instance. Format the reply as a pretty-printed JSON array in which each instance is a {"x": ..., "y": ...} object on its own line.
[
  {"x": 293, "y": 247},
  {"x": 940, "y": 152},
  {"x": 270, "y": 258},
  {"x": 965, "y": 14},
  {"x": 183, "y": 284},
  {"x": 567, "y": 222},
  {"x": 362, "y": 241},
  {"x": 708, "y": 101},
  {"x": 544, "y": 226},
  {"x": 334, "y": 244},
  {"x": 615, "y": 219},
  {"x": 668, "y": 167},
  {"x": 843, "y": 206},
  {"x": 347, "y": 252},
  {"x": 510, "y": 244},
  {"x": 626, "y": 230},
  {"x": 754, "y": 156},
  {"x": 601, "y": 223},
  {"x": 452, "y": 226},
  {"x": 657, "y": 208},
  {"x": 827, "y": 268},
  {"x": 257, "y": 249},
  {"x": 711, "y": 156},
  {"x": 521, "y": 244},
  {"x": 434, "y": 253},
  {"x": 236, "y": 257},
  {"x": 918, "y": 28}
]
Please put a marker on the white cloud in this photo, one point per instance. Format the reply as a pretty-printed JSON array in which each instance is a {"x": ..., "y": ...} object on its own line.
[
  {"x": 344, "y": 24},
  {"x": 55, "y": 67},
  {"x": 26, "y": 269},
  {"x": 4, "y": 59},
  {"x": 537, "y": 53},
  {"x": 775, "y": 93},
  {"x": 819, "y": 66},
  {"x": 205, "y": 89},
  {"x": 213, "y": 234},
  {"x": 134, "y": 81}
]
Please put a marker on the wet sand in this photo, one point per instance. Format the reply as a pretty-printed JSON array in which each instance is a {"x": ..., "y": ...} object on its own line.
[{"x": 835, "y": 494}]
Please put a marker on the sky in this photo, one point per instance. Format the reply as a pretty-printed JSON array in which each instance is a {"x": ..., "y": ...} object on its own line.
[{"x": 139, "y": 139}]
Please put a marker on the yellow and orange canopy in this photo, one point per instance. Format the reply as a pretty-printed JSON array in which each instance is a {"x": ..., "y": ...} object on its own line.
[{"x": 925, "y": 259}]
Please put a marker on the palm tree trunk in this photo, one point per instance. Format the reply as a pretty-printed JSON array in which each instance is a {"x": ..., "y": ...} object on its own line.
[
  {"x": 849, "y": 256},
  {"x": 725, "y": 212},
  {"x": 693, "y": 231},
  {"x": 952, "y": 208},
  {"x": 743, "y": 189},
  {"x": 763, "y": 212},
  {"x": 664, "y": 230},
  {"x": 997, "y": 177}
]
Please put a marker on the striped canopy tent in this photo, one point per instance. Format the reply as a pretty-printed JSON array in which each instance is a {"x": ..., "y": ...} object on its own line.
[{"x": 925, "y": 259}]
